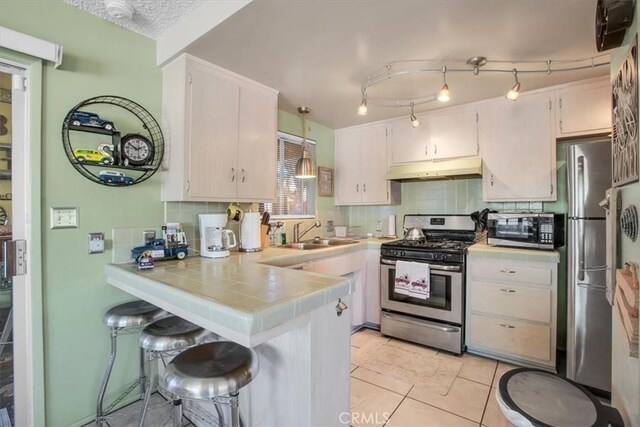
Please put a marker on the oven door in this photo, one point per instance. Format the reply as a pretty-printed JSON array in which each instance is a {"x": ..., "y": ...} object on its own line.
[{"x": 446, "y": 296}]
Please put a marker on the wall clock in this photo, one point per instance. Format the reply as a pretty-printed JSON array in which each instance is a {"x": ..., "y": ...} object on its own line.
[{"x": 136, "y": 150}]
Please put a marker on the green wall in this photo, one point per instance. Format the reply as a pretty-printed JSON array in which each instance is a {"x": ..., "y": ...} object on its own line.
[{"x": 99, "y": 58}]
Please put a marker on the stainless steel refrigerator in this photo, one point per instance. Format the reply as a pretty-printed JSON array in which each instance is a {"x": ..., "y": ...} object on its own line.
[{"x": 588, "y": 311}]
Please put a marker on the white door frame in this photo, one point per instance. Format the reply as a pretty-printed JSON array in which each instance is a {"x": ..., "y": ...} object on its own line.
[{"x": 27, "y": 336}]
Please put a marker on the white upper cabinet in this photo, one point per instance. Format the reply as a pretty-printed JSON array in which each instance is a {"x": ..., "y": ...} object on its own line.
[
  {"x": 361, "y": 166},
  {"x": 453, "y": 134},
  {"x": 409, "y": 144},
  {"x": 583, "y": 109},
  {"x": 441, "y": 135},
  {"x": 220, "y": 130},
  {"x": 518, "y": 149}
]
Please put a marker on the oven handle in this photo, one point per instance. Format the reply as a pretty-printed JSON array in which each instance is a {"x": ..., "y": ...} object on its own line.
[
  {"x": 423, "y": 323},
  {"x": 455, "y": 268}
]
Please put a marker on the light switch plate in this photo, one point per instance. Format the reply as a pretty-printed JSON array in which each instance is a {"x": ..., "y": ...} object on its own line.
[
  {"x": 64, "y": 218},
  {"x": 96, "y": 243}
]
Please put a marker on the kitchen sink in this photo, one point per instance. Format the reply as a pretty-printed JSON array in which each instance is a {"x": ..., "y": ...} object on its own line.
[
  {"x": 306, "y": 246},
  {"x": 333, "y": 242},
  {"x": 319, "y": 244}
]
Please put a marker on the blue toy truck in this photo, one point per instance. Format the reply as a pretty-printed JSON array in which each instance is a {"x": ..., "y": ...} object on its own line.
[{"x": 160, "y": 250}]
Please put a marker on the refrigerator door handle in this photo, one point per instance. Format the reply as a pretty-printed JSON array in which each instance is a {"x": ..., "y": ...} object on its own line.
[
  {"x": 593, "y": 287},
  {"x": 581, "y": 194}
]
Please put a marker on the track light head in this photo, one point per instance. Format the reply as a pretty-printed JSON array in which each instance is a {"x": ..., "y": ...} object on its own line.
[
  {"x": 444, "y": 95},
  {"x": 414, "y": 120},
  {"x": 514, "y": 92},
  {"x": 362, "y": 110}
]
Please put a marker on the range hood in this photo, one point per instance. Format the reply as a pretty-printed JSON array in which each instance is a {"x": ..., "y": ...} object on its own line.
[{"x": 467, "y": 167}]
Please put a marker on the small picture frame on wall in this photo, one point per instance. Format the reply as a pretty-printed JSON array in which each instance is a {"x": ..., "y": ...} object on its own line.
[
  {"x": 624, "y": 88},
  {"x": 325, "y": 182}
]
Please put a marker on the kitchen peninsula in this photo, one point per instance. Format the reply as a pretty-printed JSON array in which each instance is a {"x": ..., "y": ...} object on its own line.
[{"x": 287, "y": 315}]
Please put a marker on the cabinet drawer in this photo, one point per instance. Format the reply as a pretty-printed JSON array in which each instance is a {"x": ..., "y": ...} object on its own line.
[
  {"x": 513, "y": 301},
  {"x": 510, "y": 337},
  {"x": 508, "y": 271}
]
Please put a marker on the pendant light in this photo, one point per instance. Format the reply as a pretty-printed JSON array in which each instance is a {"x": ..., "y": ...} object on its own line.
[
  {"x": 362, "y": 110},
  {"x": 304, "y": 167},
  {"x": 514, "y": 92}
]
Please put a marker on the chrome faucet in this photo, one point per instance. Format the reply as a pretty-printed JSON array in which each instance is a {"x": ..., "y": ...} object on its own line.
[{"x": 296, "y": 230}]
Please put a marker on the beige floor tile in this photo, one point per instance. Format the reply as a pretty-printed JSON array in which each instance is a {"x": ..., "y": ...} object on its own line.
[
  {"x": 366, "y": 337},
  {"x": 465, "y": 398},
  {"x": 381, "y": 380},
  {"x": 500, "y": 370},
  {"x": 492, "y": 415},
  {"x": 417, "y": 348},
  {"x": 416, "y": 414},
  {"x": 479, "y": 369},
  {"x": 371, "y": 405}
]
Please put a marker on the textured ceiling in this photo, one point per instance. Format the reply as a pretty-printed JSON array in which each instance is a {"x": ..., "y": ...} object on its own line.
[{"x": 151, "y": 17}]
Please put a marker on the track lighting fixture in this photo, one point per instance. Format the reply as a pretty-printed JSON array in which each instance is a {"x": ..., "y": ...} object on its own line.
[
  {"x": 414, "y": 120},
  {"x": 304, "y": 167},
  {"x": 515, "y": 90},
  {"x": 473, "y": 66},
  {"x": 362, "y": 110},
  {"x": 444, "y": 95}
]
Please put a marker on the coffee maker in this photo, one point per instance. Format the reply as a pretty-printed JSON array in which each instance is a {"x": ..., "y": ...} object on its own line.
[{"x": 215, "y": 240}]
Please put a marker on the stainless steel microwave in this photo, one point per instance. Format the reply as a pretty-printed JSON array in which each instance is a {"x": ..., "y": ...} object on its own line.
[{"x": 526, "y": 230}]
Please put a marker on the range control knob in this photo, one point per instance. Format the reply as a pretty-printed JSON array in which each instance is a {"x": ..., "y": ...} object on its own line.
[{"x": 402, "y": 253}]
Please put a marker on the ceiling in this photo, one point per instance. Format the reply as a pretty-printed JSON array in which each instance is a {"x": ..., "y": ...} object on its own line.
[
  {"x": 151, "y": 17},
  {"x": 320, "y": 52}
]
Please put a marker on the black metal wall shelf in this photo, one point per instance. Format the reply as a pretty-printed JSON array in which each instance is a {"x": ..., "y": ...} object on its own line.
[{"x": 109, "y": 169}]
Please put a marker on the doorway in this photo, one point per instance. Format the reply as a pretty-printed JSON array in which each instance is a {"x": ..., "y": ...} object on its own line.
[{"x": 20, "y": 352}]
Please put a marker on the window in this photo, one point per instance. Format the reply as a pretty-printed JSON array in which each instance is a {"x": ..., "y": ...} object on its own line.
[{"x": 295, "y": 198}]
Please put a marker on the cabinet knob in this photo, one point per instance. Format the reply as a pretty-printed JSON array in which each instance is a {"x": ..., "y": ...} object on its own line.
[
  {"x": 504, "y": 325},
  {"x": 242, "y": 171},
  {"x": 509, "y": 291},
  {"x": 435, "y": 149},
  {"x": 364, "y": 187},
  {"x": 340, "y": 307},
  {"x": 507, "y": 271},
  {"x": 357, "y": 188},
  {"x": 233, "y": 174}
]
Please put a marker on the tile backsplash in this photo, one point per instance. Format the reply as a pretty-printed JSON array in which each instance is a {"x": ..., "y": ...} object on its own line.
[{"x": 461, "y": 196}]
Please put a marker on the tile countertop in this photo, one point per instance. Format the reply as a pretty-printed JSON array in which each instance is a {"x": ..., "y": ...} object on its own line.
[
  {"x": 498, "y": 252},
  {"x": 240, "y": 297}
]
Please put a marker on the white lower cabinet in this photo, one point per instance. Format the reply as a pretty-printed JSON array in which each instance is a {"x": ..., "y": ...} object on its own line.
[
  {"x": 352, "y": 266},
  {"x": 372, "y": 288},
  {"x": 511, "y": 308}
]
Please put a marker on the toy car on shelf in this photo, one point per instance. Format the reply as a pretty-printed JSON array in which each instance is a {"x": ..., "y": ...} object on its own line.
[
  {"x": 86, "y": 118},
  {"x": 159, "y": 249},
  {"x": 83, "y": 155},
  {"x": 115, "y": 177}
]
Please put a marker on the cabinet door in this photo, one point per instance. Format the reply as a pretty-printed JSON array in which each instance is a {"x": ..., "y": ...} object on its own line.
[
  {"x": 372, "y": 288},
  {"x": 518, "y": 149},
  {"x": 584, "y": 109},
  {"x": 212, "y": 132},
  {"x": 409, "y": 144},
  {"x": 454, "y": 134},
  {"x": 257, "y": 144},
  {"x": 374, "y": 165},
  {"x": 347, "y": 173}
]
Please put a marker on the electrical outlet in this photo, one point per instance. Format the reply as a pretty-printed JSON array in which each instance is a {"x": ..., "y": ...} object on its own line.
[
  {"x": 64, "y": 218},
  {"x": 96, "y": 243}
]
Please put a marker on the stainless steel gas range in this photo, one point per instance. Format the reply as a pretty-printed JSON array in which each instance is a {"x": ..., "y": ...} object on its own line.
[{"x": 438, "y": 320}]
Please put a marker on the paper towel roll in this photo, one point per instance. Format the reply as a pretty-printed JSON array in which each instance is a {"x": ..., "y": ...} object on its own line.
[{"x": 392, "y": 225}]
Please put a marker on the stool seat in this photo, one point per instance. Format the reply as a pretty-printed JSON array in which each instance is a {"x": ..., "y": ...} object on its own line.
[
  {"x": 210, "y": 370},
  {"x": 171, "y": 333},
  {"x": 134, "y": 313}
]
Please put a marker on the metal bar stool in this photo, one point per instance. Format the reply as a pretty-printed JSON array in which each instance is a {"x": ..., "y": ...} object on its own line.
[
  {"x": 163, "y": 338},
  {"x": 122, "y": 319},
  {"x": 212, "y": 372}
]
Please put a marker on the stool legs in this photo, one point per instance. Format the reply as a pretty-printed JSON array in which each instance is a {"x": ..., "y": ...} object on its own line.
[
  {"x": 105, "y": 379},
  {"x": 235, "y": 411},
  {"x": 148, "y": 388},
  {"x": 177, "y": 412}
]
